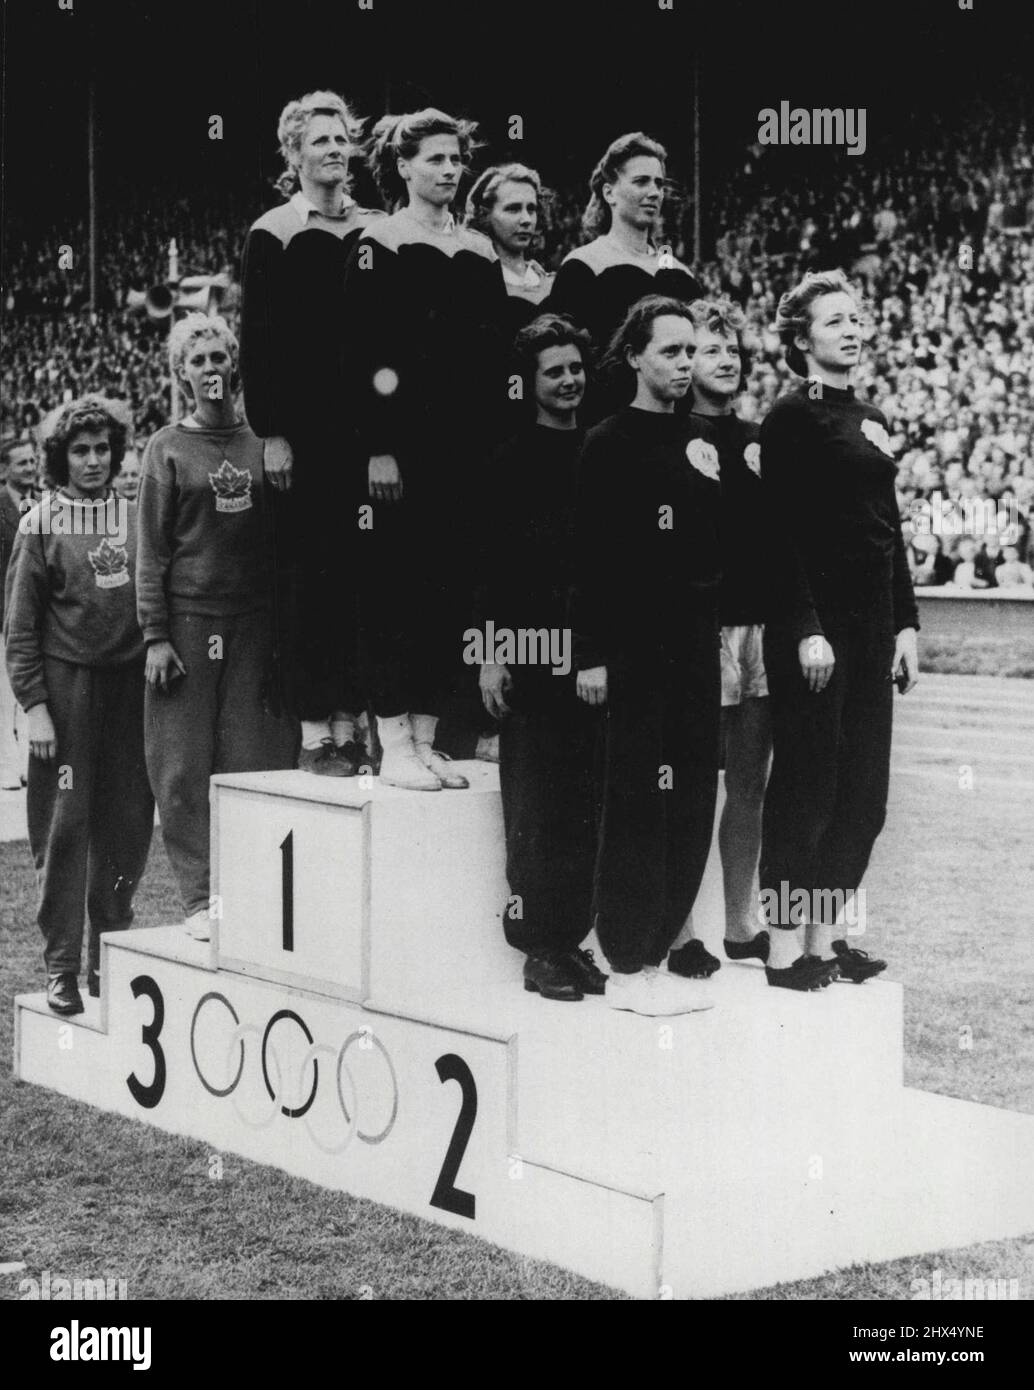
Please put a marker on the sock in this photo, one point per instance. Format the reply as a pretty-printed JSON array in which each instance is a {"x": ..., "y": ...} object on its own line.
[
  {"x": 314, "y": 731},
  {"x": 818, "y": 940},
  {"x": 423, "y": 726},
  {"x": 394, "y": 733},
  {"x": 783, "y": 950},
  {"x": 342, "y": 727}
]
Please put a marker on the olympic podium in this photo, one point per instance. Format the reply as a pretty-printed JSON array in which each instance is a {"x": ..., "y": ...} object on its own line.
[{"x": 357, "y": 1020}]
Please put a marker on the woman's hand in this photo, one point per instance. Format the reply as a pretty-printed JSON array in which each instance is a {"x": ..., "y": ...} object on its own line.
[
  {"x": 591, "y": 685},
  {"x": 277, "y": 462},
  {"x": 817, "y": 661},
  {"x": 385, "y": 478},
  {"x": 163, "y": 665},
  {"x": 906, "y": 659},
  {"x": 42, "y": 735},
  {"x": 495, "y": 683}
]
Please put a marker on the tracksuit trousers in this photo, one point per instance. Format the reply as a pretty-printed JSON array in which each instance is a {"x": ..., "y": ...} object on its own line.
[
  {"x": 90, "y": 809},
  {"x": 211, "y": 720},
  {"x": 827, "y": 796},
  {"x": 660, "y": 784},
  {"x": 546, "y": 763}
]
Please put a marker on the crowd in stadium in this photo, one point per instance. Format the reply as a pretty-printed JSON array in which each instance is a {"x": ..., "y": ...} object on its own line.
[{"x": 952, "y": 373}]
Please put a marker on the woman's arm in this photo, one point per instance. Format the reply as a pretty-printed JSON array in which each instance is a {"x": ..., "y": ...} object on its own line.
[{"x": 27, "y": 596}]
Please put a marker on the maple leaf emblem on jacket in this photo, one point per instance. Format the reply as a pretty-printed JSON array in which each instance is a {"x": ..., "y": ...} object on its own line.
[
  {"x": 232, "y": 487},
  {"x": 703, "y": 457},
  {"x": 877, "y": 435},
  {"x": 110, "y": 565}
]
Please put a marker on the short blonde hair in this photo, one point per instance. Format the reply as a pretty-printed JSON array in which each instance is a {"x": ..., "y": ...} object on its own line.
[
  {"x": 185, "y": 332},
  {"x": 794, "y": 314},
  {"x": 294, "y": 122}
]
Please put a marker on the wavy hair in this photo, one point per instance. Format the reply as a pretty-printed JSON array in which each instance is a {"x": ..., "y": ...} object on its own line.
[
  {"x": 91, "y": 412},
  {"x": 399, "y": 137},
  {"x": 294, "y": 122},
  {"x": 596, "y": 218},
  {"x": 547, "y": 331},
  {"x": 794, "y": 314},
  {"x": 484, "y": 192}
]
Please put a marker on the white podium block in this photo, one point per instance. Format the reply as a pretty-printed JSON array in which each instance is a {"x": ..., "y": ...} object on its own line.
[
  {"x": 359, "y": 1021},
  {"x": 350, "y": 888}
]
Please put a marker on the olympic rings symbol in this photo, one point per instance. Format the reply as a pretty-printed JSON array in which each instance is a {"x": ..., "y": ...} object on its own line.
[{"x": 349, "y": 1108}]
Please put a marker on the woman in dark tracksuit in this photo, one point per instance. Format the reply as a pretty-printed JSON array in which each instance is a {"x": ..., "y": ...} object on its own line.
[
  {"x": 598, "y": 283},
  {"x": 646, "y": 643},
  {"x": 842, "y": 628},
  {"x": 426, "y": 308}
]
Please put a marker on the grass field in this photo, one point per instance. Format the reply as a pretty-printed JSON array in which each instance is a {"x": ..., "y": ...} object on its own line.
[{"x": 84, "y": 1194}]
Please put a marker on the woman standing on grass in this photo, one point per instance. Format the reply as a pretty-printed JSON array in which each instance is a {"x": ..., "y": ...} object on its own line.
[
  {"x": 204, "y": 601},
  {"x": 842, "y": 629},
  {"x": 75, "y": 657}
]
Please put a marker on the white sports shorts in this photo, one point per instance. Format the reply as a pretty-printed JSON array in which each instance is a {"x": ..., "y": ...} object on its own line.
[{"x": 743, "y": 664}]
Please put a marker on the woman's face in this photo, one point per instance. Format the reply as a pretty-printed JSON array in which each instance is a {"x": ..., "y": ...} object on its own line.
[
  {"x": 433, "y": 174},
  {"x": 834, "y": 338},
  {"x": 325, "y": 147},
  {"x": 207, "y": 369},
  {"x": 664, "y": 366},
  {"x": 89, "y": 463},
  {"x": 560, "y": 379},
  {"x": 637, "y": 194},
  {"x": 127, "y": 479},
  {"x": 514, "y": 216}
]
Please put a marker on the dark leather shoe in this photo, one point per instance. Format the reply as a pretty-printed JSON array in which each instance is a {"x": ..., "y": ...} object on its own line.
[
  {"x": 63, "y": 994},
  {"x": 806, "y": 973},
  {"x": 755, "y": 949},
  {"x": 93, "y": 985},
  {"x": 552, "y": 977},
  {"x": 855, "y": 965},
  {"x": 586, "y": 974},
  {"x": 694, "y": 961}
]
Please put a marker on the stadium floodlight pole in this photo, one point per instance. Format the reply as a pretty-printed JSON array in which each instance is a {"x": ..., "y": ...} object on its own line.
[
  {"x": 91, "y": 177},
  {"x": 696, "y": 160}
]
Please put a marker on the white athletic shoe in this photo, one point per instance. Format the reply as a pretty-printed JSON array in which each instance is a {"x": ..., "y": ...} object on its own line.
[
  {"x": 401, "y": 767},
  {"x": 656, "y": 995},
  {"x": 440, "y": 764},
  {"x": 198, "y": 926}
]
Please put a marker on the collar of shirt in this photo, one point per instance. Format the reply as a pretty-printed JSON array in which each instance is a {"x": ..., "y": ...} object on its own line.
[{"x": 306, "y": 208}]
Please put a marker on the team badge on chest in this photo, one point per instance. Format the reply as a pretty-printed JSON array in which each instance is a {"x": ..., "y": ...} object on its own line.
[
  {"x": 703, "y": 457},
  {"x": 110, "y": 565},
  {"x": 877, "y": 436},
  {"x": 232, "y": 488},
  {"x": 752, "y": 458}
]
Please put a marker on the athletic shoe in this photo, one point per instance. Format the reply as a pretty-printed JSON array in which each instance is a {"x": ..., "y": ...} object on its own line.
[
  {"x": 324, "y": 761},
  {"x": 755, "y": 949},
  {"x": 855, "y": 965},
  {"x": 589, "y": 978},
  {"x": 441, "y": 765},
  {"x": 198, "y": 926},
  {"x": 63, "y": 994},
  {"x": 654, "y": 995},
  {"x": 400, "y": 767},
  {"x": 550, "y": 975},
  {"x": 807, "y": 972},
  {"x": 693, "y": 960}
]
